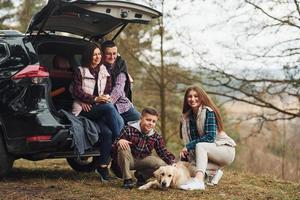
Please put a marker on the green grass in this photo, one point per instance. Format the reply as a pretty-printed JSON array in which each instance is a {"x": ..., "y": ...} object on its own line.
[{"x": 53, "y": 179}]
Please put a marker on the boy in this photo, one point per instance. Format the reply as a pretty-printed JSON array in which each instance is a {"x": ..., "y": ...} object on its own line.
[{"x": 134, "y": 148}]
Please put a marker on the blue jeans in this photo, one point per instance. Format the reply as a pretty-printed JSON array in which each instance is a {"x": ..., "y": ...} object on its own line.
[
  {"x": 105, "y": 142},
  {"x": 110, "y": 122},
  {"x": 107, "y": 114},
  {"x": 131, "y": 115}
]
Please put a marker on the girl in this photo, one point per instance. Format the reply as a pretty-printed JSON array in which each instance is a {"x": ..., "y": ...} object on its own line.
[{"x": 203, "y": 136}]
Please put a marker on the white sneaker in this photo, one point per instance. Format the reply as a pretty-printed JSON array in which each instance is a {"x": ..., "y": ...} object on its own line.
[
  {"x": 215, "y": 180},
  {"x": 193, "y": 184}
]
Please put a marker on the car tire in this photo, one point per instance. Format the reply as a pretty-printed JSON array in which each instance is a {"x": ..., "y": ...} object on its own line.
[
  {"x": 6, "y": 160},
  {"x": 81, "y": 164}
]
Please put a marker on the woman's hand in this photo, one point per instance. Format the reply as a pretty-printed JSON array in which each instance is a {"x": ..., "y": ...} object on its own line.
[
  {"x": 103, "y": 99},
  {"x": 184, "y": 153},
  {"x": 85, "y": 106},
  {"x": 124, "y": 144}
]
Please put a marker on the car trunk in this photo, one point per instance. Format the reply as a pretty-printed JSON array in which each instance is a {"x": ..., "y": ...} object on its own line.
[{"x": 89, "y": 19}]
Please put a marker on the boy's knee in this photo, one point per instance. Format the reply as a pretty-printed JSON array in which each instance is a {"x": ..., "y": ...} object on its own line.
[
  {"x": 158, "y": 163},
  {"x": 122, "y": 152}
]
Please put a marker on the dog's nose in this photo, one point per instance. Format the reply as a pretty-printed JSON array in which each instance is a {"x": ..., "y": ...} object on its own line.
[{"x": 163, "y": 184}]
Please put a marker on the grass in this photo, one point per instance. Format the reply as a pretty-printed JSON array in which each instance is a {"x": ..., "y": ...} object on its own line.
[{"x": 53, "y": 179}]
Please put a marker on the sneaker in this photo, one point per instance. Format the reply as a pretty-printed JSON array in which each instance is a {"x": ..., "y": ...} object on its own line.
[
  {"x": 128, "y": 184},
  {"x": 140, "y": 179},
  {"x": 104, "y": 174},
  {"x": 215, "y": 180},
  {"x": 193, "y": 184}
]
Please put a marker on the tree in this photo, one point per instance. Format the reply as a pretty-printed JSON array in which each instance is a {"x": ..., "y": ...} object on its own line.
[
  {"x": 5, "y": 9},
  {"x": 159, "y": 78},
  {"x": 26, "y": 11}
]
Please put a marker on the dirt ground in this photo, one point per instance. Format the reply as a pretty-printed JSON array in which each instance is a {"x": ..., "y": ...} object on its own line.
[{"x": 53, "y": 179}]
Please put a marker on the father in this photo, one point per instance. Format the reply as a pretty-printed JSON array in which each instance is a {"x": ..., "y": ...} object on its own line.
[{"x": 120, "y": 82}]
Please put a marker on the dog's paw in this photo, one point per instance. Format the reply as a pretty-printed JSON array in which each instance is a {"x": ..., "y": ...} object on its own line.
[{"x": 143, "y": 187}]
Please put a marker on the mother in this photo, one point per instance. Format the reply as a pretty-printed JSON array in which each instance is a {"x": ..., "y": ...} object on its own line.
[{"x": 90, "y": 86}]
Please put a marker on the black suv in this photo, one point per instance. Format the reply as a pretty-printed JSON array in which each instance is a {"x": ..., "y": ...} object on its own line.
[{"x": 32, "y": 90}]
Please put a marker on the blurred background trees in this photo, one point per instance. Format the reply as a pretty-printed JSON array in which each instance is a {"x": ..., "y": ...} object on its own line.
[
  {"x": 17, "y": 14},
  {"x": 5, "y": 12}
]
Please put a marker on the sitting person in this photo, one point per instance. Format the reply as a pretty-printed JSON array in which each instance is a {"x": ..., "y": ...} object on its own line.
[
  {"x": 120, "y": 80},
  {"x": 89, "y": 90},
  {"x": 203, "y": 136},
  {"x": 134, "y": 147}
]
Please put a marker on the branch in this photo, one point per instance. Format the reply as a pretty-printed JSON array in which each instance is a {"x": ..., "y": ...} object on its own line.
[{"x": 288, "y": 22}]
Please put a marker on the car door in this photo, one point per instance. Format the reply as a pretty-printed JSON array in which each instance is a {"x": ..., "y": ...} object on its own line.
[{"x": 89, "y": 19}]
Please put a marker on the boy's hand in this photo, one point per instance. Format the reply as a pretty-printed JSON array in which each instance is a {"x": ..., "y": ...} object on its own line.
[{"x": 124, "y": 144}]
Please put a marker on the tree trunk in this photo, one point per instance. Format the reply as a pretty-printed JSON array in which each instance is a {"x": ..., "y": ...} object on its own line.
[{"x": 162, "y": 80}]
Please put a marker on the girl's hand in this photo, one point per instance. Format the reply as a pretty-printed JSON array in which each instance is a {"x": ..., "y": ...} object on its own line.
[
  {"x": 103, "y": 99},
  {"x": 85, "y": 106},
  {"x": 184, "y": 153}
]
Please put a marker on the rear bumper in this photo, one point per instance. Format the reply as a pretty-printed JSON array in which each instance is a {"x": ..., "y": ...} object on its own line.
[{"x": 59, "y": 146}]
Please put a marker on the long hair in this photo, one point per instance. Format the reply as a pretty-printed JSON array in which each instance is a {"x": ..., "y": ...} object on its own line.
[
  {"x": 205, "y": 100},
  {"x": 87, "y": 56}
]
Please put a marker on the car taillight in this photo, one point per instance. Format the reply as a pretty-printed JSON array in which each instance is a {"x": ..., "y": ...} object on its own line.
[
  {"x": 36, "y": 72},
  {"x": 39, "y": 138}
]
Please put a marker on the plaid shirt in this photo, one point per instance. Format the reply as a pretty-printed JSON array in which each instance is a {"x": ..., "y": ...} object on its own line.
[
  {"x": 210, "y": 130},
  {"x": 143, "y": 144},
  {"x": 118, "y": 96}
]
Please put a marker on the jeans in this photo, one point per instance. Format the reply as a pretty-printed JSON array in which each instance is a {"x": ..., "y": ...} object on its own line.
[
  {"x": 107, "y": 114},
  {"x": 131, "y": 115},
  {"x": 105, "y": 142}
]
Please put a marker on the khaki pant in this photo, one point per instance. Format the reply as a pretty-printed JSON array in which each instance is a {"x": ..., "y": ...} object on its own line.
[{"x": 145, "y": 166}]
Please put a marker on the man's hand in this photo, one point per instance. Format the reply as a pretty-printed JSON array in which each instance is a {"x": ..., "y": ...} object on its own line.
[
  {"x": 124, "y": 144},
  {"x": 103, "y": 98},
  {"x": 85, "y": 106},
  {"x": 184, "y": 153}
]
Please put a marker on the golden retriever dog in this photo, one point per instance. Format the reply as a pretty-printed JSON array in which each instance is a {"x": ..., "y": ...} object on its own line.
[{"x": 169, "y": 176}]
